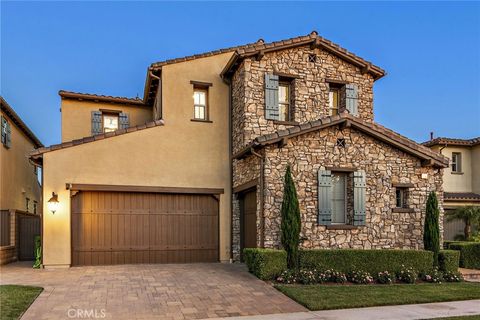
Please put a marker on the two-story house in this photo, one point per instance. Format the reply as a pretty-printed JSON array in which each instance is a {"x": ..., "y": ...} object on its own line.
[
  {"x": 461, "y": 180},
  {"x": 20, "y": 189},
  {"x": 193, "y": 172}
]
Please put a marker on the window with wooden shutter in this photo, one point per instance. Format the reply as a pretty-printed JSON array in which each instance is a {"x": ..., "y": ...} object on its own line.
[
  {"x": 4, "y": 131},
  {"x": 97, "y": 127},
  {"x": 324, "y": 197},
  {"x": 8, "y": 143},
  {"x": 124, "y": 120},
  {"x": 359, "y": 186},
  {"x": 271, "y": 97}
]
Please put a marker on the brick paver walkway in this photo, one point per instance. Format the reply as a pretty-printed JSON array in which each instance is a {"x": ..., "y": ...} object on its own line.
[{"x": 168, "y": 291}]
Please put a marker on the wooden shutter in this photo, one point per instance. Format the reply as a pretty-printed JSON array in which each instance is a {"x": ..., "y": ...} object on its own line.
[
  {"x": 324, "y": 197},
  {"x": 271, "y": 97},
  {"x": 9, "y": 135},
  {"x": 359, "y": 184},
  {"x": 96, "y": 122},
  {"x": 4, "y": 130},
  {"x": 351, "y": 98},
  {"x": 123, "y": 120}
]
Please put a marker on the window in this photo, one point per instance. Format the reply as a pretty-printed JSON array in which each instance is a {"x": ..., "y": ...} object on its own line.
[
  {"x": 27, "y": 203},
  {"x": 339, "y": 197},
  {"x": 334, "y": 99},
  {"x": 6, "y": 133},
  {"x": 401, "y": 196},
  {"x": 200, "y": 97},
  {"x": 110, "y": 122},
  {"x": 456, "y": 162},
  {"x": 284, "y": 101},
  {"x": 35, "y": 207}
]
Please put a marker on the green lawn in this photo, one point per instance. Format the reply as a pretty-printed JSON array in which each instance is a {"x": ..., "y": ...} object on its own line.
[
  {"x": 475, "y": 317},
  {"x": 15, "y": 300},
  {"x": 323, "y": 297}
]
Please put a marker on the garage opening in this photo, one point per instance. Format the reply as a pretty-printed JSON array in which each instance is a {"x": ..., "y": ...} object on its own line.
[{"x": 110, "y": 227}]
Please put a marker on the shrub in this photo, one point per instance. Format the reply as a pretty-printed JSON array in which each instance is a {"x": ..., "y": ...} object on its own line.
[
  {"x": 407, "y": 274},
  {"x": 360, "y": 277},
  {"x": 290, "y": 224},
  {"x": 266, "y": 264},
  {"x": 371, "y": 261},
  {"x": 431, "y": 231},
  {"x": 434, "y": 276},
  {"x": 448, "y": 260},
  {"x": 307, "y": 276},
  {"x": 385, "y": 277},
  {"x": 288, "y": 277},
  {"x": 469, "y": 254},
  {"x": 450, "y": 276}
]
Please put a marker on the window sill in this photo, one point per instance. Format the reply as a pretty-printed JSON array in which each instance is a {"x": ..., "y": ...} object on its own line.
[
  {"x": 200, "y": 120},
  {"x": 453, "y": 172},
  {"x": 341, "y": 227},
  {"x": 285, "y": 123},
  {"x": 403, "y": 210}
]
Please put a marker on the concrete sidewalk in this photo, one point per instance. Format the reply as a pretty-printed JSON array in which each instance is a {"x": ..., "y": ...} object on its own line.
[{"x": 402, "y": 312}]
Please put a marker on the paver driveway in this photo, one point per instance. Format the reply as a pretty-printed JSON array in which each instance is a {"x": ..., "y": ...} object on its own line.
[{"x": 163, "y": 291}]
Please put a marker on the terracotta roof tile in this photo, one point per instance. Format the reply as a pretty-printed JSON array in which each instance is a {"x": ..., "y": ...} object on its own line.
[
  {"x": 452, "y": 141},
  {"x": 39, "y": 152},
  {"x": 380, "y": 132},
  {"x": 462, "y": 196},
  {"x": 96, "y": 97}
]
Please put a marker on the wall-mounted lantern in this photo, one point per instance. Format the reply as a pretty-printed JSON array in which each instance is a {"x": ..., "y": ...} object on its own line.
[{"x": 53, "y": 203}]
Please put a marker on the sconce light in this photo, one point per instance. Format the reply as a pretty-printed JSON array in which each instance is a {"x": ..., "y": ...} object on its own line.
[{"x": 53, "y": 203}]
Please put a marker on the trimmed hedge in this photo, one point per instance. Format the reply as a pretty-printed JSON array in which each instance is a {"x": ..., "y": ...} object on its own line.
[
  {"x": 469, "y": 253},
  {"x": 372, "y": 261},
  {"x": 449, "y": 260},
  {"x": 266, "y": 264}
]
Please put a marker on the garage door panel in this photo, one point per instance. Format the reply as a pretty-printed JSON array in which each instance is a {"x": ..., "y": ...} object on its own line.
[{"x": 122, "y": 227}]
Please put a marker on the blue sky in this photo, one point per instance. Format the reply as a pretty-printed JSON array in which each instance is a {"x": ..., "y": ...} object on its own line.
[{"x": 430, "y": 50}]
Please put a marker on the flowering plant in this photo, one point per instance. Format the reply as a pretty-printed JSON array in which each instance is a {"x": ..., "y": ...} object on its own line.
[
  {"x": 384, "y": 277},
  {"x": 407, "y": 274}
]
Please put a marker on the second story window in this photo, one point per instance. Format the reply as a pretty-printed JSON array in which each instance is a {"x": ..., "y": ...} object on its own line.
[
  {"x": 6, "y": 133},
  {"x": 27, "y": 204},
  {"x": 401, "y": 197},
  {"x": 110, "y": 122},
  {"x": 200, "y": 98},
  {"x": 279, "y": 97},
  {"x": 35, "y": 207},
  {"x": 284, "y": 101},
  {"x": 342, "y": 97},
  {"x": 456, "y": 162},
  {"x": 333, "y": 100}
]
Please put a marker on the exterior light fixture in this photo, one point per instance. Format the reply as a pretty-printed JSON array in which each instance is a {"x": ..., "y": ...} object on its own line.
[{"x": 53, "y": 203}]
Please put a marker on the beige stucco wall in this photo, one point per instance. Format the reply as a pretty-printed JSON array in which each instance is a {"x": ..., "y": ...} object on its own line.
[
  {"x": 181, "y": 153},
  {"x": 458, "y": 182},
  {"x": 17, "y": 178},
  {"x": 77, "y": 116},
  {"x": 475, "y": 158}
]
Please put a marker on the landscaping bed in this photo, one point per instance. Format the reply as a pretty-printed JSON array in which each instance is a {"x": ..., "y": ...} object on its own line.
[
  {"x": 469, "y": 253},
  {"x": 15, "y": 300},
  {"x": 323, "y": 297}
]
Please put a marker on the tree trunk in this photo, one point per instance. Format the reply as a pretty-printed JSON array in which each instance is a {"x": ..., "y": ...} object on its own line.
[{"x": 468, "y": 229}]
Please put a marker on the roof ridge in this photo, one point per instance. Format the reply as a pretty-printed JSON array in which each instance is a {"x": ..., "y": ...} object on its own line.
[
  {"x": 37, "y": 153},
  {"x": 93, "y": 96},
  {"x": 458, "y": 141}
]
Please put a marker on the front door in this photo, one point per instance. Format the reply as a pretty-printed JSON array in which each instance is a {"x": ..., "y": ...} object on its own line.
[{"x": 248, "y": 220}]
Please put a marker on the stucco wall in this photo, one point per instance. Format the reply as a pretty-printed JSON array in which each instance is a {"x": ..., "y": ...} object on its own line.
[
  {"x": 77, "y": 116},
  {"x": 17, "y": 178},
  {"x": 310, "y": 89},
  {"x": 181, "y": 153},
  {"x": 475, "y": 155},
  {"x": 459, "y": 182}
]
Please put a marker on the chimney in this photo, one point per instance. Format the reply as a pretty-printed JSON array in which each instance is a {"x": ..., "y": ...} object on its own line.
[{"x": 431, "y": 135}]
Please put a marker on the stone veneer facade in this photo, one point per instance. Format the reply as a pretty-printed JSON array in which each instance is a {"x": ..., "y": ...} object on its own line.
[{"x": 312, "y": 151}]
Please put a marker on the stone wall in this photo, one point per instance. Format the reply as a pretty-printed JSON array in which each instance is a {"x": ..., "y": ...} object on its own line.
[
  {"x": 310, "y": 90},
  {"x": 383, "y": 165}
]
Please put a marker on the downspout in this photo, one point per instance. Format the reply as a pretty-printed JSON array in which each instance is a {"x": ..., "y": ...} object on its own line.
[
  {"x": 262, "y": 188},
  {"x": 230, "y": 156}
]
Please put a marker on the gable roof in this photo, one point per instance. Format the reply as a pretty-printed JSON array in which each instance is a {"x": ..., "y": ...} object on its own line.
[
  {"x": 428, "y": 156},
  {"x": 100, "y": 98},
  {"x": 452, "y": 142},
  {"x": 461, "y": 196},
  {"x": 8, "y": 110},
  {"x": 37, "y": 154}
]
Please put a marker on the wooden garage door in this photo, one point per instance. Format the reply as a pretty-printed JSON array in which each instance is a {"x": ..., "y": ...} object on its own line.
[{"x": 128, "y": 227}]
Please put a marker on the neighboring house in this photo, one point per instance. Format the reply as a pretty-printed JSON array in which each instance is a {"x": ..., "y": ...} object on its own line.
[
  {"x": 203, "y": 177},
  {"x": 461, "y": 180},
  {"x": 20, "y": 190}
]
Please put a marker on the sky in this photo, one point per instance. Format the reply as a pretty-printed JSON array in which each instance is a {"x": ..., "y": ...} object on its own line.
[{"x": 430, "y": 51}]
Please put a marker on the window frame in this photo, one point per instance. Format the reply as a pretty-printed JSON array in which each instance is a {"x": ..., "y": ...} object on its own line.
[
  {"x": 110, "y": 114},
  {"x": 205, "y": 87},
  {"x": 288, "y": 103},
  {"x": 205, "y": 106},
  {"x": 27, "y": 203},
  {"x": 457, "y": 163},
  {"x": 344, "y": 176},
  {"x": 402, "y": 195},
  {"x": 334, "y": 88}
]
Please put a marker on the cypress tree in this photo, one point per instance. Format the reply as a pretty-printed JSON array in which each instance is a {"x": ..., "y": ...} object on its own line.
[
  {"x": 431, "y": 232},
  {"x": 290, "y": 220}
]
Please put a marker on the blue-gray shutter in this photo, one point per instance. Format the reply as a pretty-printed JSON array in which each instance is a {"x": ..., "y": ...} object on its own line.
[
  {"x": 4, "y": 131},
  {"x": 9, "y": 135},
  {"x": 351, "y": 98},
  {"x": 324, "y": 197},
  {"x": 96, "y": 122},
  {"x": 359, "y": 211},
  {"x": 123, "y": 120},
  {"x": 271, "y": 97}
]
